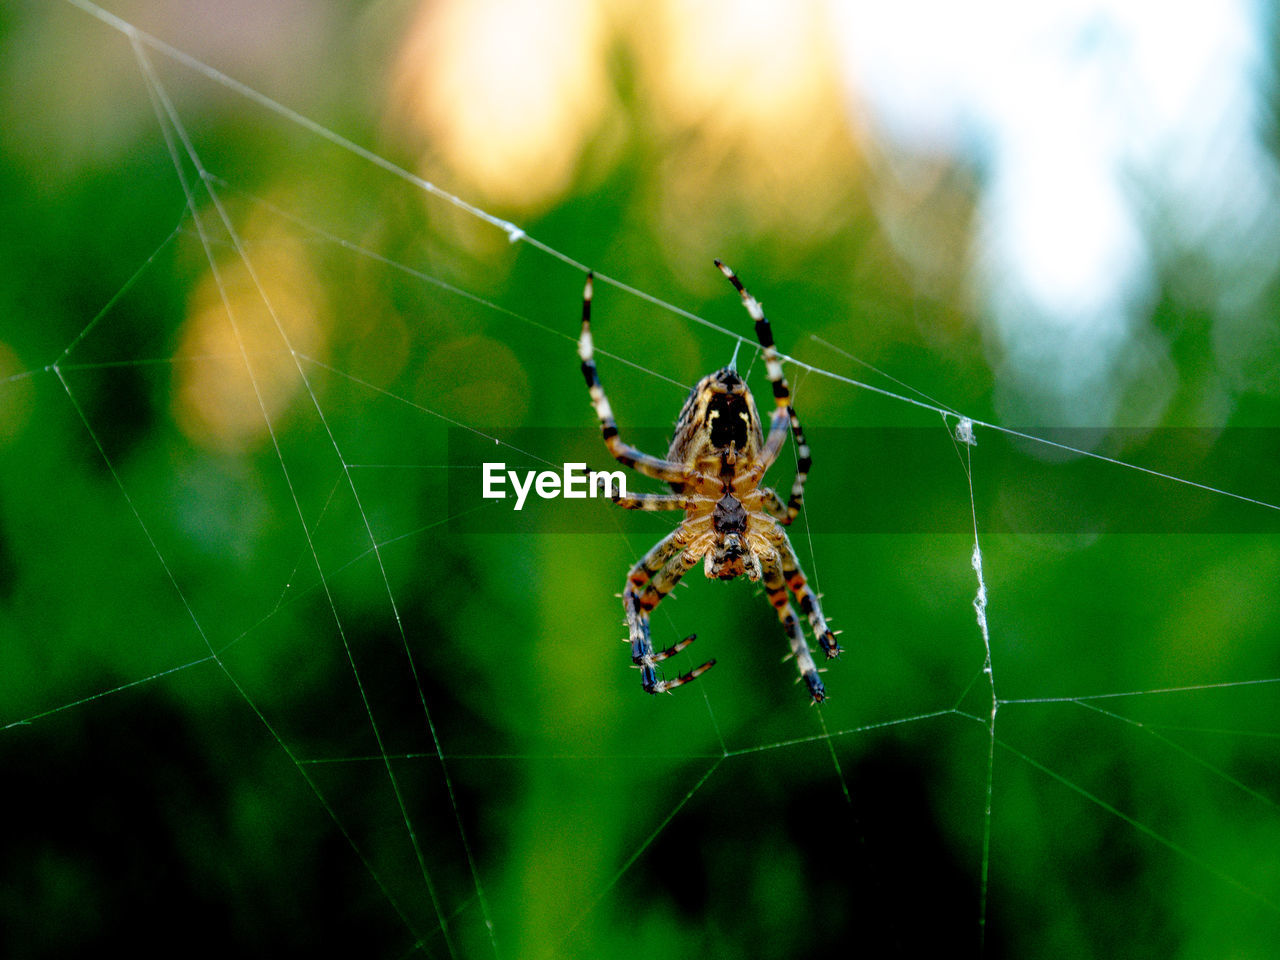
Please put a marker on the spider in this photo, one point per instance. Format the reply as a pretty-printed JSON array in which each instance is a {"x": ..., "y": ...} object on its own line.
[{"x": 716, "y": 462}]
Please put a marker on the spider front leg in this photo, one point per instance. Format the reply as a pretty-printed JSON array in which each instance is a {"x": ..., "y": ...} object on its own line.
[
  {"x": 784, "y": 415},
  {"x": 624, "y": 453},
  {"x": 652, "y": 578}
]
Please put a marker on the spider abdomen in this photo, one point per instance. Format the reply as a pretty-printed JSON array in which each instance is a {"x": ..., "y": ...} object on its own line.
[{"x": 718, "y": 425}]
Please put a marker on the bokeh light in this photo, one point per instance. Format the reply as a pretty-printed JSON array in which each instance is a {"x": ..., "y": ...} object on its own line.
[
  {"x": 1110, "y": 138},
  {"x": 506, "y": 94},
  {"x": 237, "y": 315}
]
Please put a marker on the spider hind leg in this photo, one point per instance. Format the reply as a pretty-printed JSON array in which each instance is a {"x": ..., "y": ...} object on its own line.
[
  {"x": 652, "y": 578},
  {"x": 672, "y": 651},
  {"x": 651, "y": 683},
  {"x": 776, "y": 587},
  {"x": 807, "y": 600}
]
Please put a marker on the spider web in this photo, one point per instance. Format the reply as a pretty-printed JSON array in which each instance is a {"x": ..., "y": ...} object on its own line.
[{"x": 327, "y": 674}]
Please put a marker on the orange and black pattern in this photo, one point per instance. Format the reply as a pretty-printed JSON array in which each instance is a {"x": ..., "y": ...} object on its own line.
[{"x": 718, "y": 457}]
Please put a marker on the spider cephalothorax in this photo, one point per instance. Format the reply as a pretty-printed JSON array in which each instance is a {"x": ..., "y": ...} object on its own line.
[{"x": 716, "y": 462}]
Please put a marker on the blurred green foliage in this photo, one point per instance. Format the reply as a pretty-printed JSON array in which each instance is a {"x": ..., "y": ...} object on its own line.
[{"x": 219, "y": 640}]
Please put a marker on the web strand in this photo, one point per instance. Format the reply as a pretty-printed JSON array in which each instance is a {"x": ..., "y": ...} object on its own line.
[
  {"x": 817, "y": 589},
  {"x": 1145, "y": 829},
  {"x": 964, "y": 442},
  {"x": 170, "y": 125},
  {"x": 213, "y": 656}
]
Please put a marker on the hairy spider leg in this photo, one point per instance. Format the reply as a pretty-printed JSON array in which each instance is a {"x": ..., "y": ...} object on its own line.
[
  {"x": 637, "y": 579},
  {"x": 676, "y": 648},
  {"x": 806, "y": 598},
  {"x": 784, "y": 415},
  {"x": 663, "y": 582},
  {"x": 624, "y": 453},
  {"x": 645, "y": 501},
  {"x": 652, "y": 578},
  {"x": 776, "y": 587},
  {"x": 804, "y": 461}
]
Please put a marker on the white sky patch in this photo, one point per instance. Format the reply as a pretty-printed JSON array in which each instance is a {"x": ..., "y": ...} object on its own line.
[{"x": 1090, "y": 123}]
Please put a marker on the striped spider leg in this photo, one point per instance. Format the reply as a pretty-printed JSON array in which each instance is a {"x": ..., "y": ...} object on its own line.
[
  {"x": 784, "y": 416},
  {"x": 653, "y": 577},
  {"x": 657, "y": 573},
  {"x": 624, "y": 453}
]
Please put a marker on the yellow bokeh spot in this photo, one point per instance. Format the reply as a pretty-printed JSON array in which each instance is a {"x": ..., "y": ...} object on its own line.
[
  {"x": 234, "y": 375},
  {"x": 747, "y": 101},
  {"x": 506, "y": 92},
  {"x": 739, "y": 70},
  {"x": 741, "y": 109}
]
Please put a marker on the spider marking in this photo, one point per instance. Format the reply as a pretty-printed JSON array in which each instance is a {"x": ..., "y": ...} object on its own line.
[{"x": 715, "y": 465}]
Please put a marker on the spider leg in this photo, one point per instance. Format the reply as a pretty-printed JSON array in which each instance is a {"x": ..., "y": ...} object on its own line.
[
  {"x": 807, "y": 600},
  {"x": 773, "y": 504},
  {"x": 784, "y": 415},
  {"x": 646, "y": 501},
  {"x": 673, "y": 650},
  {"x": 652, "y": 578},
  {"x": 776, "y": 586},
  {"x": 804, "y": 461},
  {"x": 624, "y": 453},
  {"x": 638, "y": 619}
]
